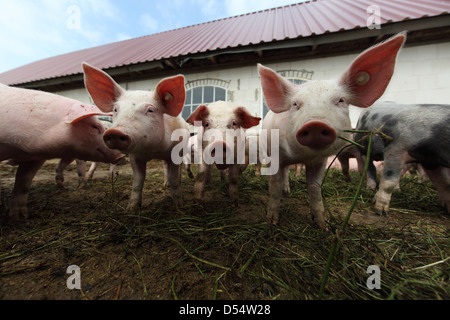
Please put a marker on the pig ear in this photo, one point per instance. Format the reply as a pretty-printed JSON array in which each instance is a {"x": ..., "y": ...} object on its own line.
[
  {"x": 245, "y": 119},
  {"x": 370, "y": 73},
  {"x": 276, "y": 89},
  {"x": 198, "y": 114},
  {"x": 79, "y": 111},
  {"x": 171, "y": 93},
  {"x": 102, "y": 88}
]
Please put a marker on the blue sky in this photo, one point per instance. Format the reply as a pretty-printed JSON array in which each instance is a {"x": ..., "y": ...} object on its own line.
[{"x": 31, "y": 30}]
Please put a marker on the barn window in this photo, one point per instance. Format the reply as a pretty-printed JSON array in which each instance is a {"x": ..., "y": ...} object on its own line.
[
  {"x": 203, "y": 91},
  {"x": 295, "y": 76}
]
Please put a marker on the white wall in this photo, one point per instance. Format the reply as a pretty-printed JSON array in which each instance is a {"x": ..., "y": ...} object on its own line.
[{"x": 422, "y": 75}]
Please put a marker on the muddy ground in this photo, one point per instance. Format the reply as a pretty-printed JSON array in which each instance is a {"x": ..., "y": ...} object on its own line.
[{"x": 212, "y": 250}]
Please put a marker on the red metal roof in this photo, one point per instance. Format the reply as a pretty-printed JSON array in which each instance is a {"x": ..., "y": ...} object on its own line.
[{"x": 305, "y": 19}]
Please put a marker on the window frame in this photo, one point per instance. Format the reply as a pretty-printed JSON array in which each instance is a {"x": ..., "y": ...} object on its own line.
[
  {"x": 291, "y": 75},
  {"x": 202, "y": 84}
]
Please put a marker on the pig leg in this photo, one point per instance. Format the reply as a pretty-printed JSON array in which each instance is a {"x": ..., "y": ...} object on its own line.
[
  {"x": 139, "y": 170},
  {"x": 421, "y": 172},
  {"x": 314, "y": 175},
  {"x": 166, "y": 174},
  {"x": 361, "y": 164},
  {"x": 208, "y": 175},
  {"x": 275, "y": 190},
  {"x": 199, "y": 188},
  {"x": 233, "y": 177},
  {"x": 19, "y": 196},
  {"x": 173, "y": 177},
  {"x": 188, "y": 169},
  {"x": 371, "y": 176},
  {"x": 440, "y": 177},
  {"x": 344, "y": 162},
  {"x": 81, "y": 171},
  {"x": 258, "y": 169},
  {"x": 223, "y": 175},
  {"x": 112, "y": 167},
  {"x": 91, "y": 171},
  {"x": 62, "y": 165},
  {"x": 286, "y": 187},
  {"x": 390, "y": 179},
  {"x": 298, "y": 169}
]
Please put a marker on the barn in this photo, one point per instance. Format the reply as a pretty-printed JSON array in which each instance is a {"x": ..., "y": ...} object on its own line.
[{"x": 313, "y": 40}]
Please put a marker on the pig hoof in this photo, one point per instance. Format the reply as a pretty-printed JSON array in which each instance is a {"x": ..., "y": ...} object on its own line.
[
  {"x": 178, "y": 202},
  {"x": 132, "y": 207},
  {"x": 199, "y": 195},
  {"x": 16, "y": 214},
  {"x": 272, "y": 219},
  {"x": 381, "y": 212},
  {"x": 321, "y": 224}
]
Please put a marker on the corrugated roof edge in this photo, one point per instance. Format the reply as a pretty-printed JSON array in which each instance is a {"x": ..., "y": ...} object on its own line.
[{"x": 39, "y": 75}]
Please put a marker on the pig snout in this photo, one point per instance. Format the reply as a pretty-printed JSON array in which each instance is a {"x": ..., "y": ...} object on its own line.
[
  {"x": 316, "y": 135},
  {"x": 116, "y": 139},
  {"x": 219, "y": 145},
  {"x": 217, "y": 149}
]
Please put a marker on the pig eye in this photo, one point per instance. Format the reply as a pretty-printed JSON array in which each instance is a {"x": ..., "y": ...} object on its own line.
[
  {"x": 95, "y": 127},
  {"x": 234, "y": 124},
  {"x": 341, "y": 100},
  {"x": 150, "y": 109},
  {"x": 207, "y": 124},
  {"x": 296, "y": 105}
]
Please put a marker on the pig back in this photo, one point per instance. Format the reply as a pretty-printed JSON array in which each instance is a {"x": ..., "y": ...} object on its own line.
[
  {"x": 32, "y": 125},
  {"x": 420, "y": 130}
]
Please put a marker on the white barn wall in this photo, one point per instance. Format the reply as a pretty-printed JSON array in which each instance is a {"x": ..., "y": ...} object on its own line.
[{"x": 422, "y": 75}]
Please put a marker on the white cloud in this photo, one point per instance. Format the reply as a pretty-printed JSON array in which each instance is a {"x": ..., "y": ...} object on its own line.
[
  {"x": 32, "y": 30},
  {"x": 123, "y": 36},
  {"x": 148, "y": 22},
  {"x": 29, "y": 30},
  {"x": 238, "y": 7},
  {"x": 210, "y": 8}
]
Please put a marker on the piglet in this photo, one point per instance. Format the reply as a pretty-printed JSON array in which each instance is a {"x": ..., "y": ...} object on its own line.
[
  {"x": 36, "y": 126},
  {"x": 310, "y": 117},
  {"x": 410, "y": 133},
  {"x": 142, "y": 125},
  {"x": 222, "y": 137},
  {"x": 83, "y": 177}
]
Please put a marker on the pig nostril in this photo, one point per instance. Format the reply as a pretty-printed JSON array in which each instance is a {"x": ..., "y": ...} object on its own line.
[{"x": 316, "y": 135}]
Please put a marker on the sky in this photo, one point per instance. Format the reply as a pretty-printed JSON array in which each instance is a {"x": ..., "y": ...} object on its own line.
[{"x": 32, "y": 30}]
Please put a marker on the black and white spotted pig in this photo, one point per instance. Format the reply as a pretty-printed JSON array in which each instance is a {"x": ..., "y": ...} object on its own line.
[{"x": 416, "y": 134}]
